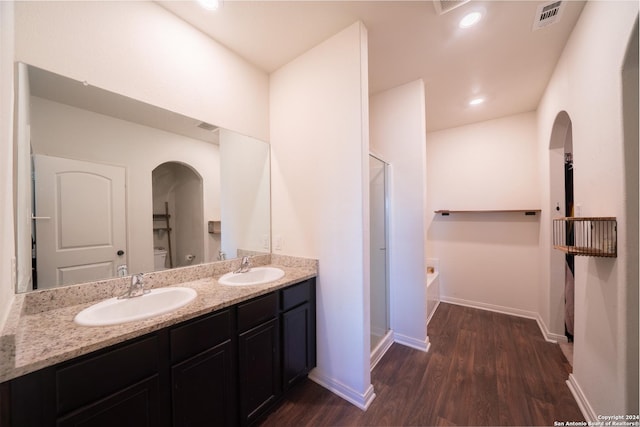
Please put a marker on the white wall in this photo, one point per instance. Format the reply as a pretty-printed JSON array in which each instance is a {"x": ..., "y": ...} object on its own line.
[
  {"x": 7, "y": 250},
  {"x": 587, "y": 84},
  {"x": 63, "y": 131},
  {"x": 487, "y": 165},
  {"x": 246, "y": 215},
  {"x": 397, "y": 119},
  {"x": 139, "y": 49},
  {"x": 631, "y": 117},
  {"x": 320, "y": 147},
  {"x": 22, "y": 174},
  {"x": 489, "y": 260}
]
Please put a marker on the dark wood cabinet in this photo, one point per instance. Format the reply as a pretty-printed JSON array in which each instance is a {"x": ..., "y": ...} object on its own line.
[
  {"x": 259, "y": 370},
  {"x": 91, "y": 379},
  {"x": 258, "y": 356},
  {"x": 278, "y": 350},
  {"x": 203, "y": 380},
  {"x": 135, "y": 406},
  {"x": 221, "y": 369},
  {"x": 298, "y": 321},
  {"x": 296, "y": 356},
  {"x": 118, "y": 386},
  {"x": 204, "y": 389}
]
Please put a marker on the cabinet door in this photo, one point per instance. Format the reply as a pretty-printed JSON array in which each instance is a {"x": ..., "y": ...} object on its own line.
[
  {"x": 92, "y": 378},
  {"x": 297, "y": 348},
  {"x": 193, "y": 337},
  {"x": 134, "y": 406},
  {"x": 203, "y": 389},
  {"x": 259, "y": 370}
]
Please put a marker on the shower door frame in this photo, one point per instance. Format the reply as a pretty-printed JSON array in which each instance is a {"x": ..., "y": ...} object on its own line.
[{"x": 378, "y": 350}]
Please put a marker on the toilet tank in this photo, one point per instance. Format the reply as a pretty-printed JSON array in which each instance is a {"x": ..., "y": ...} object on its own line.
[{"x": 159, "y": 259}]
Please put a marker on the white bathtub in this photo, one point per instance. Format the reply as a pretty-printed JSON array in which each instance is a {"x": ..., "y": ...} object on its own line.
[{"x": 433, "y": 293}]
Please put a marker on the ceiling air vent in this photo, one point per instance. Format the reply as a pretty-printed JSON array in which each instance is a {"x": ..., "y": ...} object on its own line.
[
  {"x": 547, "y": 14},
  {"x": 207, "y": 126},
  {"x": 444, "y": 6}
]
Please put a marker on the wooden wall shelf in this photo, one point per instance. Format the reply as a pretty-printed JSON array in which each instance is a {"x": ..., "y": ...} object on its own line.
[
  {"x": 445, "y": 212},
  {"x": 586, "y": 236},
  {"x": 214, "y": 227},
  {"x": 165, "y": 217}
]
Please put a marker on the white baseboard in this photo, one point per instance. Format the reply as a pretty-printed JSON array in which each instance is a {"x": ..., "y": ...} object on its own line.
[
  {"x": 586, "y": 409},
  {"x": 548, "y": 335},
  {"x": 381, "y": 348},
  {"x": 433, "y": 312},
  {"x": 361, "y": 400},
  {"x": 412, "y": 342}
]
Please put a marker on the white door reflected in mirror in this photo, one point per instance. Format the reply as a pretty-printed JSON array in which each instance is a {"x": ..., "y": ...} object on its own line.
[{"x": 82, "y": 228}]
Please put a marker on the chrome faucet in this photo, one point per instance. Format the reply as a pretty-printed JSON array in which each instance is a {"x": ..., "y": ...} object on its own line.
[
  {"x": 244, "y": 265},
  {"x": 136, "y": 289}
]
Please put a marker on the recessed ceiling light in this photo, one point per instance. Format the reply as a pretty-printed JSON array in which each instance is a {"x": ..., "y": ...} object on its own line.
[
  {"x": 209, "y": 4},
  {"x": 476, "y": 101},
  {"x": 470, "y": 19}
]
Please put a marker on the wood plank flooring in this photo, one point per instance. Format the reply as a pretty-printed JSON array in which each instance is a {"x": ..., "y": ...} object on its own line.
[{"x": 483, "y": 369}]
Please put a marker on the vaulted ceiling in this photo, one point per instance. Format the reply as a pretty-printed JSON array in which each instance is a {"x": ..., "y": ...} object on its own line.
[{"x": 502, "y": 58}]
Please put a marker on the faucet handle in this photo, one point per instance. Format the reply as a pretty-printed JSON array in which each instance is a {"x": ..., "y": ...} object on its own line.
[
  {"x": 244, "y": 265},
  {"x": 137, "y": 286},
  {"x": 137, "y": 280}
]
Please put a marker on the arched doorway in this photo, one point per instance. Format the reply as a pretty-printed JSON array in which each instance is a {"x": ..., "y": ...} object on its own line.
[
  {"x": 561, "y": 166},
  {"x": 178, "y": 224}
]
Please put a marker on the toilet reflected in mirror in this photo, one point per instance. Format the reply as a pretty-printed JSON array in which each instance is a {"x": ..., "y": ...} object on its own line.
[{"x": 159, "y": 258}]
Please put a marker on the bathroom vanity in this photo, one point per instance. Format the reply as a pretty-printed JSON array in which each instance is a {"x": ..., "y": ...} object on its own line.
[{"x": 226, "y": 366}]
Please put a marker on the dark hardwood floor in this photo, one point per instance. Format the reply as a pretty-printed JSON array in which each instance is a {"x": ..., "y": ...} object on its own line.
[{"x": 483, "y": 369}]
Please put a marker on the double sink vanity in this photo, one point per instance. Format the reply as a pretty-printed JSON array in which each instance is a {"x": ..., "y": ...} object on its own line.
[{"x": 201, "y": 346}]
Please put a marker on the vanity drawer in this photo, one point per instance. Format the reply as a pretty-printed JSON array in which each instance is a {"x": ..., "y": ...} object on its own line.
[
  {"x": 200, "y": 335},
  {"x": 95, "y": 377},
  {"x": 296, "y": 295},
  {"x": 257, "y": 311}
]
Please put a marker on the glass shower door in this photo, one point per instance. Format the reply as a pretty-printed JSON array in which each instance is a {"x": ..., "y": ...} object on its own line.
[{"x": 379, "y": 293}]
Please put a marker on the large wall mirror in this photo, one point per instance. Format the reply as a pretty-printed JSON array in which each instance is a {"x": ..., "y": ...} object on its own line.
[{"x": 109, "y": 186}]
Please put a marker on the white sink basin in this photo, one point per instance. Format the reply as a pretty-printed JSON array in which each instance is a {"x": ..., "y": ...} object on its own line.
[
  {"x": 115, "y": 311},
  {"x": 255, "y": 276}
]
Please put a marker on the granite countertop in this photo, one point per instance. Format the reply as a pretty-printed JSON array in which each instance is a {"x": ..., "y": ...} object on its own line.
[{"x": 40, "y": 331}]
